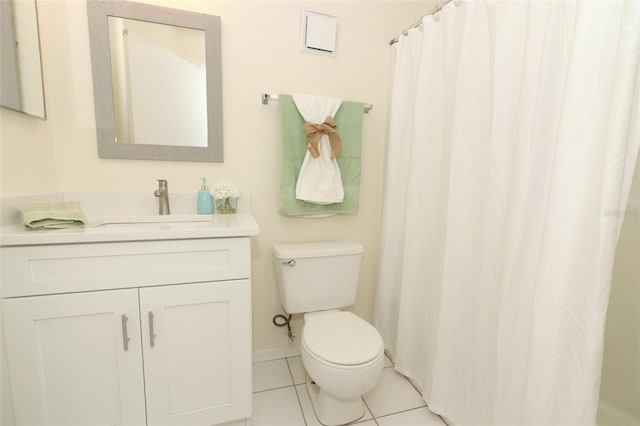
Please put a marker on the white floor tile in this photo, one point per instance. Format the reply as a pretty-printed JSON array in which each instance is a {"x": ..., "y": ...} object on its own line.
[
  {"x": 418, "y": 417},
  {"x": 367, "y": 423},
  {"x": 392, "y": 394},
  {"x": 271, "y": 375},
  {"x": 278, "y": 407},
  {"x": 297, "y": 369},
  {"x": 307, "y": 407}
]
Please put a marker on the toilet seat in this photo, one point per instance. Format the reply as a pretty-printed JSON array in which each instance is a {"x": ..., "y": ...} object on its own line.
[{"x": 341, "y": 338}]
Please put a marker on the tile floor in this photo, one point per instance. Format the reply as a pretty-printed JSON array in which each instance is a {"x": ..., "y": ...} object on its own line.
[{"x": 280, "y": 398}]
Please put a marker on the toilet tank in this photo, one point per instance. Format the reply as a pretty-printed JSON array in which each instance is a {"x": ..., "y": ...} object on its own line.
[{"x": 317, "y": 276}]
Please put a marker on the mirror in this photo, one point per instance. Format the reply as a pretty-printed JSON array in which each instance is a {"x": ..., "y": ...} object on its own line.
[
  {"x": 157, "y": 82},
  {"x": 158, "y": 74},
  {"x": 21, "y": 87}
]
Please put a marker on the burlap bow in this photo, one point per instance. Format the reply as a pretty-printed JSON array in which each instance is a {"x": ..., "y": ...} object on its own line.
[{"x": 315, "y": 131}]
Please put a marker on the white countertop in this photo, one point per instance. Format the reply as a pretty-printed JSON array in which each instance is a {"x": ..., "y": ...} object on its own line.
[
  {"x": 125, "y": 217},
  {"x": 136, "y": 228}
]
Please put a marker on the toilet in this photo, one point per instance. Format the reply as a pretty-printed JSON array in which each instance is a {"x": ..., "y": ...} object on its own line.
[{"x": 342, "y": 353}]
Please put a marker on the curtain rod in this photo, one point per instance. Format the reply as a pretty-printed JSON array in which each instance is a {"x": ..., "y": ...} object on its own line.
[
  {"x": 266, "y": 97},
  {"x": 416, "y": 24}
]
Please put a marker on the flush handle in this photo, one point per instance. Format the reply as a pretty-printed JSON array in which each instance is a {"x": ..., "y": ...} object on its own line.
[{"x": 291, "y": 262}]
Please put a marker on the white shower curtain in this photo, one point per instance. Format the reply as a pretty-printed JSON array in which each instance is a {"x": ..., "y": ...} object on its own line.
[{"x": 514, "y": 131}]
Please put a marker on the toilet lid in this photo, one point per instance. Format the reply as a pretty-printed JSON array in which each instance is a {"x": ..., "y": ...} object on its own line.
[{"x": 341, "y": 338}]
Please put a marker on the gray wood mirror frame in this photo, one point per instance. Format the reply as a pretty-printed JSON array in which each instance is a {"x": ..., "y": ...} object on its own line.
[{"x": 101, "y": 15}]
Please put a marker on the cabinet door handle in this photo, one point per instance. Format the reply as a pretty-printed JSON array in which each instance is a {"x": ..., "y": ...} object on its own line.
[
  {"x": 125, "y": 335},
  {"x": 152, "y": 336}
]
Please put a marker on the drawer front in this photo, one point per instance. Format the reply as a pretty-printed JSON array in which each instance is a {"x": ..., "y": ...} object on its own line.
[{"x": 52, "y": 269}]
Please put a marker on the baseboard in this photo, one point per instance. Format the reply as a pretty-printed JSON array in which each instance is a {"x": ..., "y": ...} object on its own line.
[
  {"x": 610, "y": 415},
  {"x": 276, "y": 353}
]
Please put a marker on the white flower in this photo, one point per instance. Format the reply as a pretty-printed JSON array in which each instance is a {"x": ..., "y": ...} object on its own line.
[{"x": 226, "y": 190}]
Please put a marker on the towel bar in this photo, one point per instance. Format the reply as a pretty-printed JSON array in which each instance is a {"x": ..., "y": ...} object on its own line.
[{"x": 266, "y": 97}]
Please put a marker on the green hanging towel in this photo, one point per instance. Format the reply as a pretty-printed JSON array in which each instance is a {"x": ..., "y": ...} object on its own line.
[{"x": 293, "y": 147}]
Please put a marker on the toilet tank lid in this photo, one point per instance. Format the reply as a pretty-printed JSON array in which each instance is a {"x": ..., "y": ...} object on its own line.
[{"x": 316, "y": 249}]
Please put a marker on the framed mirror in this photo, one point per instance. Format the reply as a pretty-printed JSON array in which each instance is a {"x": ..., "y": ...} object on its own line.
[
  {"x": 21, "y": 87},
  {"x": 157, "y": 82}
]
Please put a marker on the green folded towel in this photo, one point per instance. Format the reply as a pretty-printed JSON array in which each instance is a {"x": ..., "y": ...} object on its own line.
[
  {"x": 55, "y": 215},
  {"x": 293, "y": 147}
]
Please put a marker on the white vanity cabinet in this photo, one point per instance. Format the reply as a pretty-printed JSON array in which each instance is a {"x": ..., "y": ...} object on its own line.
[
  {"x": 129, "y": 333},
  {"x": 197, "y": 360},
  {"x": 67, "y": 362}
]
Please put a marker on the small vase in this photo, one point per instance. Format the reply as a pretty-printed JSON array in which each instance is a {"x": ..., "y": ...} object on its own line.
[{"x": 226, "y": 205}]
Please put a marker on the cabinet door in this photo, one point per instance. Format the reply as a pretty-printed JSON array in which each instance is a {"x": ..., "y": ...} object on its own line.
[
  {"x": 68, "y": 361},
  {"x": 198, "y": 363}
]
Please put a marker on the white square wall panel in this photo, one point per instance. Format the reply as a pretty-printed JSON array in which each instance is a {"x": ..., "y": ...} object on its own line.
[{"x": 319, "y": 32}]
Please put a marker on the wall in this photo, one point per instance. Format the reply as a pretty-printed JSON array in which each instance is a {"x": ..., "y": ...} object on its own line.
[
  {"x": 261, "y": 53},
  {"x": 620, "y": 386}
]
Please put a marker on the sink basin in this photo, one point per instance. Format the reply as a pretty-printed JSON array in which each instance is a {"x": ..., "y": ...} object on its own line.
[
  {"x": 152, "y": 225},
  {"x": 153, "y": 222}
]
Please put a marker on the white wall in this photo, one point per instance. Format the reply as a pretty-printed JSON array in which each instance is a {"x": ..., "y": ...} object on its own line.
[
  {"x": 261, "y": 53},
  {"x": 620, "y": 386}
]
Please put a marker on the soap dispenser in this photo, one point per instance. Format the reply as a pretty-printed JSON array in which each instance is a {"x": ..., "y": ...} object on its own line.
[{"x": 205, "y": 200}]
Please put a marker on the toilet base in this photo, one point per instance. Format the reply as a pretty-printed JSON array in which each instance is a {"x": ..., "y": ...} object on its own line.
[{"x": 332, "y": 411}]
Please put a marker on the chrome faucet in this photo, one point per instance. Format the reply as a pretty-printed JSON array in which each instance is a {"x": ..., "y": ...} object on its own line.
[{"x": 163, "y": 197}]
